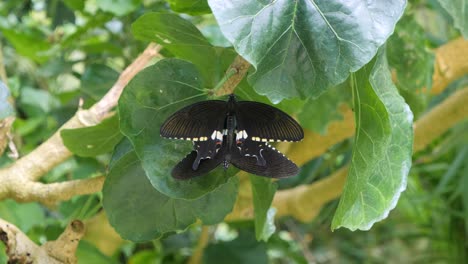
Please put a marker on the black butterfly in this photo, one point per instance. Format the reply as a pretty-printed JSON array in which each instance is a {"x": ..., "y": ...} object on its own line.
[{"x": 233, "y": 132}]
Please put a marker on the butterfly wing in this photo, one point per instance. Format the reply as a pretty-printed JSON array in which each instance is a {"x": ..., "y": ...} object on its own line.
[
  {"x": 261, "y": 159},
  {"x": 265, "y": 123},
  {"x": 195, "y": 122},
  {"x": 184, "y": 169}
]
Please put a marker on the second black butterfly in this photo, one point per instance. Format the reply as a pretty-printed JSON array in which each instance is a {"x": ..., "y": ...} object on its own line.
[{"x": 233, "y": 132}]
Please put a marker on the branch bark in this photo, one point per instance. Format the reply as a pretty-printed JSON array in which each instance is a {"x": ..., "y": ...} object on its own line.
[
  {"x": 19, "y": 179},
  {"x": 20, "y": 249}
]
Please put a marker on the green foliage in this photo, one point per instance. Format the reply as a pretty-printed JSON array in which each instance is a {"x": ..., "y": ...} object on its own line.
[
  {"x": 149, "y": 214},
  {"x": 263, "y": 191},
  {"x": 103, "y": 140},
  {"x": 308, "y": 57},
  {"x": 181, "y": 38},
  {"x": 192, "y": 7},
  {"x": 243, "y": 249},
  {"x": 382, "y": 151},
  {"x": 301, "y": 48},
  {"x": 458, "y": 10},
  {"x": 144, "y": 105},
  {"x": 325, "y": 108}
]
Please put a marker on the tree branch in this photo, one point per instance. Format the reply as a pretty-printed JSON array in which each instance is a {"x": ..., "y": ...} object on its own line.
[
  {"x": 20, "y": 249},
  {"x": 28, "y": 169}
]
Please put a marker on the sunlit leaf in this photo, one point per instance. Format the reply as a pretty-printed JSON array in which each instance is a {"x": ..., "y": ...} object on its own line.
[
  {"x": 300, "y": 48},
  {"x": 153, "y": 95},
  {"x": 382, "y": 152}
]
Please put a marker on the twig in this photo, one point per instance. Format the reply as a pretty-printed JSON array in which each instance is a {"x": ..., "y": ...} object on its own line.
[
  {"x": 197, "y": 256},
  {"x": 28, "y": 169},
  {"x": 20, "y": 249}
]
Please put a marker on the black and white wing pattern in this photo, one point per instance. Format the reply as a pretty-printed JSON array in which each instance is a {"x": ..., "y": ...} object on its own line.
[
  {"x": 264, "y": 123},
  {"x": 184, "y": 169},
  {"x": 266, "y": 161},
  {"x": 195, "y": 122}
]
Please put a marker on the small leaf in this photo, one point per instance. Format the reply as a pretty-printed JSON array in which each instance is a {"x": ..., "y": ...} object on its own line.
[
  {"x": 31, "y": 44},
  {"x": 118, "y": 7},
  {"x": 5, "y": 107},
  {"x": 382, "y": 152},
  {"x": 24, "y": 215},
  {"x": 153, "y": 95},
  {"x": 94, "y": 140},
  {"x": 191, "y": 7},
  {"x": 140, "y": 213},
  {"x": 458, "y": 9},
  {"x": 185, "y": 41},
  {"x": 263, "y": 190},
  {"x": 318, "y": 113},
  {"x": 300, "y": 48}
]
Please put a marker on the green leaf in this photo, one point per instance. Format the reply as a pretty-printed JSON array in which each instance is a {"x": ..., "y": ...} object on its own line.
[
  {"x": 185, "y": 41},
  {"x": 75, "y": 4},
  {"x": 458, "y": 9},
  {"x": 94, "y": 140},
  {"x": 97, "y": 79},
  {"x": 6, "y": 108},
  {"x": 382, "y": 151},
  {"x": 263, "y": 190},
  {"x": 23, "y": 215},
  {"x": 140, "y": 213},
  {"x": 243, "y": 249},
  {"x": 191, "y": 7},
  {"x": 300, "y": 48},
  {"x": 153, "y": 95},
  {"x": 118, "y": 7},
  {"x": 409, "y": 55},
  {"x": 29, "y": 44},
  {"x": 318, "y": 113}
]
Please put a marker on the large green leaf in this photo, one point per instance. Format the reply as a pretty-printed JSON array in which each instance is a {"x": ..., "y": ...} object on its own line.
[
  {"x": 5, "y": 107},
  {"x": 458, "y": 9},
  {"x": 94, "y": 140},
  {"x": 382, "y": 152},
  {"x": 185, "y": 41},
  {"x": 140, "y": 213},
  {"x": 301, "y": 47},
  {"x": 192, "y": 7},
  {"x": 263, "y": 190},
  {"x": 153, "y": 95}
]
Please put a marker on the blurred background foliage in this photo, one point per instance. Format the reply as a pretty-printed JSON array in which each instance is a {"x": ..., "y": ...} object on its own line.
[{"x": 58, "y": 52}]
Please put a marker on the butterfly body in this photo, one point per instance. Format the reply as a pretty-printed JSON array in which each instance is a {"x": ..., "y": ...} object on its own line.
[{"x": 235, "y": 133}]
